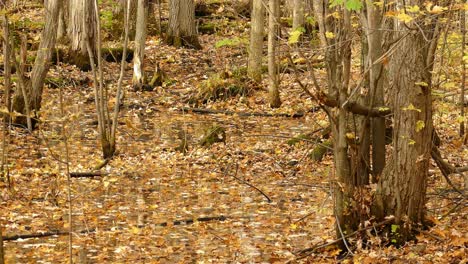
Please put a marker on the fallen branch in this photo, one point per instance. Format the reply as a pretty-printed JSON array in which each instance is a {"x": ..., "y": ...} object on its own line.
[
  {"x": 45, "y": 234},
  {"x": 306, "y": 252},
  {"x": 227, "y": 112},
  {"x": 446, "y": 168},
  {"x": 191, "y": 221},
  {"x": 88, "y": 174},
  {"x": 248, "y": 184},
  {"x": 86, "y": 231}
]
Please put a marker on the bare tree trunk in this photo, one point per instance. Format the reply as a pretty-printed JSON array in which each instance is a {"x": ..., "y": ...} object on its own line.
[
  {"x": 2, "y": 253},
  {"x": 273, "y": 33},
  {"x": 373, "y": 29},
  {"x": 139, "y": 77},
  {"x": 41, "y": 64},
  {"x": 6, "y": 63},
  {"x": 298, "y": 14},
  {"x": 338, "y": 65},
  {"x": 402, "y": 189},
  {"x": 81, "y": 19},
  {"x": 62, "y": 24},
  {"x": 254, "y": 68},
  {"x": 462, "y": 93},
  {"x": 182, "y": 30}
]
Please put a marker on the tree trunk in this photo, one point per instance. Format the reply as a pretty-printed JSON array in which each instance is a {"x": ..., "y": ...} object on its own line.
[
  {"x": 373, "y": 24},
  {"x": 348, "y": 178},
  {"x": 2, "y": 253},
  {"x": 62, "y": 24},
  {"x": 6, "y": 64},
  {"x": 41, "y": 66},
  {"x": 298, "y": 14},
  {"x": 273, "y": 33},
  {"x": 182, "y": 30},
  {"x": 139, "y": 77},
  {"x": 402, "y": 189},
  {"x": 463, "y": 77},
  {"x": 254, "y": 68},
  {"x": 81, "y": 16}
]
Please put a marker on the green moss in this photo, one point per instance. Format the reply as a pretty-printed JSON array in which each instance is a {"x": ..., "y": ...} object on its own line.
[
  {"x": 207, "y": 28},
  {"x": 220, "y": 86},
  {"x": 320, "y": 150},
  {"x": 213, "y": 135},
  {"x": 293, "y": 141}
]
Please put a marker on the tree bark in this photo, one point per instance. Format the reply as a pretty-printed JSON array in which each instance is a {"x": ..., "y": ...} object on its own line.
[
  {"x": 273, "y": 33},
  {"x": 182, "y": 30},
  {"x": 81, "y": 16},
  {"x": 6, "y": 64},
  {"x": 372, "y": 20},
  {"x": 402, "y": 189},
  {"x": 463, "y": 79},
  {"x": 298, "y": 14},
  {"x": 139, "y": 77},
  {"x": 2, "y": 253},
  {"x": 41, "y": 66},
  {"x": 254, "y": 68}
]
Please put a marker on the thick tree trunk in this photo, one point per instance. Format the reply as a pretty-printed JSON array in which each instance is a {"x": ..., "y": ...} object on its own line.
[
  {"x": 182, "y": 30},
  {"x": 298, "y": 14},
  {"x": 63, "y": 19},
  {"x": 139, "y": 78},
  {"x": 41, "y": 65},
  {"x": 81, "y": 16},
  {"x": 402, "y": 189},
  {"x": 254, "y": 68},
  {"x": 273, "y": 33}
]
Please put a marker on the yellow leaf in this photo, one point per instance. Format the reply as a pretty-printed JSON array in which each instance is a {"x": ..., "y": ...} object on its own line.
[
  {"x": 350, "y": 135},
  {"x": 404, "y": 17},
  {"x": 329, "y": 35},
  {"x": 135, "y": 230},
  {"x": 420, "y": 125},
  {"x": 413, "y": 9},
  {"x": 411, "y": 107},
  {"x": 422, "y": 84},
  {"x": 437, "y": 9},
  {"x": 293, "y": 226}
]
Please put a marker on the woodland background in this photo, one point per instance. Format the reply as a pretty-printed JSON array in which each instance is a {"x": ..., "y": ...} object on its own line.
[{"x": 208, "y": 132}]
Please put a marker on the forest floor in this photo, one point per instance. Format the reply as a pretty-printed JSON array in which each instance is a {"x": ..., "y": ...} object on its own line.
[{"x": 251, "y": 199}]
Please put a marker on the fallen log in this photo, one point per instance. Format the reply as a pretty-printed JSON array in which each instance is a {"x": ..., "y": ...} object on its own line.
[{"x": 245, "y": 114}]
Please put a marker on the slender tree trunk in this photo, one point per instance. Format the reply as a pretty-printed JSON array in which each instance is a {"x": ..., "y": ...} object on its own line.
[
  {"x": 273, "y": 33},
  {"x": 81, "y": 16},
  {"x": 298, "y": 14},
  {"x": 139, "y": 77},
  {"x": 338, "y": 64},
  {"x": 374, "y": 35},
  {"x": 2, "y": 253},
  {"x": 254, "y": 68},
  {"x": 6, "y": 64},
  {"x": 462, "y": 93},
  {"x": 182, "y": 30},
  {"x": 41, "y": 65}
]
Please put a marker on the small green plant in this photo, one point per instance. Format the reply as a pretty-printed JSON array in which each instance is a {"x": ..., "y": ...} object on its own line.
[{"x": 230, "y": 42}]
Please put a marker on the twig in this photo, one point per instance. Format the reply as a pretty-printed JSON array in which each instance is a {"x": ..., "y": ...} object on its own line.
[
  {"x": 246, "y": 183},
  {"x": 306, "y": 252}
]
